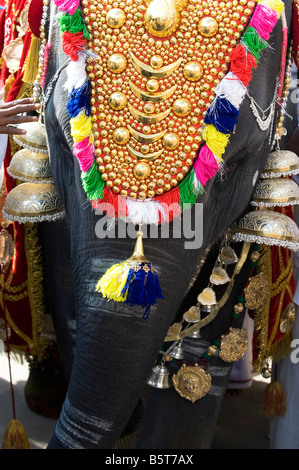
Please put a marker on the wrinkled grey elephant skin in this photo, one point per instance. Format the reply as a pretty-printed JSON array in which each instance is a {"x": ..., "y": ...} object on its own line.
[{"x": 115, "y": 347}]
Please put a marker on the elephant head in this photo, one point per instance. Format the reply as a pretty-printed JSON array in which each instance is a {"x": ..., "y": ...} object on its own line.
[{"x": 116, "y": 347}]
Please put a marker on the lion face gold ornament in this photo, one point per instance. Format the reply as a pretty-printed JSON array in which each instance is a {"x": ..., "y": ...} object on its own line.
[{"x": 192, "y": 382}]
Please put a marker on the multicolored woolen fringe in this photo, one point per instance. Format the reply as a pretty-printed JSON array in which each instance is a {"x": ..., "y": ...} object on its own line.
[{"x": 220, "y": 120}]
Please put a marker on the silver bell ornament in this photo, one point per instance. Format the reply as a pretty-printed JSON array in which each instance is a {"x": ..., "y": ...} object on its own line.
[
  {"x": 159, "y": 377},
  {"x": 177, "y": 352}
]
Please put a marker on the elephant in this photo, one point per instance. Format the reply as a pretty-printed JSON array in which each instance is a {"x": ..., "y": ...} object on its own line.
[{"x": 112, "y": 349}]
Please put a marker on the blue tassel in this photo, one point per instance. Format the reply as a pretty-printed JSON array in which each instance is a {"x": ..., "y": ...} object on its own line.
[
  {"x": 79, "y": 99},
  {"x": 142, "y": 288},
  {"x": 223, "y": 115}
]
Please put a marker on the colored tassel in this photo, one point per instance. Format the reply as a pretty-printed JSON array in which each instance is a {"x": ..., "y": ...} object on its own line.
[
  {"x": 81, "y": 127},
  {"x": 242, "y": 63},
  {"x": 232, "y": 89},
  {"x": 263, "y": 21},
  {"x": 73, "y": 23},
  {"x": 215, "y": 140},
  {"x": 92, "y": 182},
  {"x": 188, "y": 192},
  {"x": 84, "y": 152},
  {"x": 205, "y": 166},
  {"x": 67, "y": 5},
  {"x": 76, "y": 73},
  {"x": 72, "y": 44},
  {"x": 15, "y": 436},
  {"x": 31, "y": 68},
  {"x": 133, "y": 281},
  {"x": 276, "y": 5},
  {"x": 254, "y": 43},
  {"x": 79, "y": 100},
  {"x": 223, "y": 115},
  {"x": 274, "y": 400}
]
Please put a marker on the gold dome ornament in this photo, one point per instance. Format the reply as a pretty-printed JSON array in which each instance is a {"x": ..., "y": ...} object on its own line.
[
  {"x": 35, "y": 138},
  {"x": 161, "y": 18},
  {"x": 31, "y": 202},
  {"x": 269, "y": 228},
  {"x": 192, "y": 382},
  {"x": 233, "y": 345},
  {"x": 281, "y": 163},
  {"x": 31, "y": 167},
  {"x": 272, "y": 192}
]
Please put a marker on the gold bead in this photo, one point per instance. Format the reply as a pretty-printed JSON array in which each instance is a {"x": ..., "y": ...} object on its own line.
[
  {"x": 117, "y": 100},
  {"x": 171, "y": 141},
  {"x": 142, "y": 170},
  {"x": 121, "y": 135}
]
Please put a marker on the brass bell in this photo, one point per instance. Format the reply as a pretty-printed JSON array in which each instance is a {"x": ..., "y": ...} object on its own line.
[
  {"x": 273, "y": 192},
  {"x": 35, "y": 138},
  {"x": 31, "y": 167},
  {"x": 177, "y": 352},
  {"x": 30, "y": 202},
  {"x": 159, "y": 377},
  {"x": 268, "y": 227},
  {"x": 281, "y": 163}
]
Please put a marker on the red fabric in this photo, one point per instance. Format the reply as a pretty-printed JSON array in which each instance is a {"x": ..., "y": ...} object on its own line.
[
  {"x": 19, "y": 310},
  {"x": 295, "y": 32}
]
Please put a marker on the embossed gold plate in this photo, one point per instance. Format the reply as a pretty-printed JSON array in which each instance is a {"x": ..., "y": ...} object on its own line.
[
  {"x": 192, "y": 382},
  {"x": 233, "y": 345},
  {"x": 155, "y": 69},
  {"x": 257, "y": 292}
]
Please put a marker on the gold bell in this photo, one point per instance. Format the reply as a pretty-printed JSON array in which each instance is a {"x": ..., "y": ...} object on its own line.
[
  {"x": 35, "y": 138},
  {"x": 31, "y": 167},
  {"x": 272, "y": 192},
  {"x": 159, "y": 377},
  {"x": 30, "y": 202},
  {"x": 281, "y": 163},
  {"x": 269, "y": 228}
]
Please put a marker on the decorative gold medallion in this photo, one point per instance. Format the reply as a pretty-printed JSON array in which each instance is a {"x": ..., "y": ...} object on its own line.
[
  {"x": 287, "y": 319},
  {"x": 258, "y": 292},
  {"x": 233, "y": 345},
  {"x": 192, "y": 382}
]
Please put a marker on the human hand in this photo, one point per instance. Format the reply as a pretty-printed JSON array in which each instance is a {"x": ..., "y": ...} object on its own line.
[{"x": 9, "y": 115}]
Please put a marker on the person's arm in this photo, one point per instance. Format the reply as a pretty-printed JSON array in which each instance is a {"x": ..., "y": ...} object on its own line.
[{"x": 10, "y": 115}]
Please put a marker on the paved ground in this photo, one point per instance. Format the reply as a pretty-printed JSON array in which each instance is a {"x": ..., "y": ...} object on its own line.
[{"x": 240, "y": 425}]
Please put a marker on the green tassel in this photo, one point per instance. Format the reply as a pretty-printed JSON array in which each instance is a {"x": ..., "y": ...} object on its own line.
[
  {"x": 188, "y": 192},
  {"x": 92, "y": 182},
  {"x": 73, "y": 23},
  {"x": 253, "y": 42}
]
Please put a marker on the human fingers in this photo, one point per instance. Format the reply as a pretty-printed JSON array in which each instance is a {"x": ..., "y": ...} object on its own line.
[{"x": 19, "y": 108}]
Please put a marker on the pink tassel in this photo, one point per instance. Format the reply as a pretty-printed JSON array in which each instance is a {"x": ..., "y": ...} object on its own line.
[
  {"x": 67, "y": 5},
  {"x": 84, "y": 152},
  {"x": 205, "y": 165},
  {"x": 263, "y": 21}
]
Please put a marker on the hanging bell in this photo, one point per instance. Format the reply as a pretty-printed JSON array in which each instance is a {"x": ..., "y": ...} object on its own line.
[
  {"x": 269, "y": 228},
  {"x": 281, "y": 163},
  {"x": 159, "y": 377},
  {"x": 35, "y": 138},
  {"x": 30, "y": 202},
  {"x": 31, "y": 167},
  {"x": 177, "y": 352},
  {"x": 196, "y": 334}
]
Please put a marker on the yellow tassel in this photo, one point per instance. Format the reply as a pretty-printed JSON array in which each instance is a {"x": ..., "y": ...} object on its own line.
[
  {"x": 274, "y": 400},
  {"x": 31, "y": 67},
  {"x": 15, "y": 436},
  {"x": 215, "y": 140},
  {"x": 112, "y": 282},
  {"x": 81, "y": 127}
]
